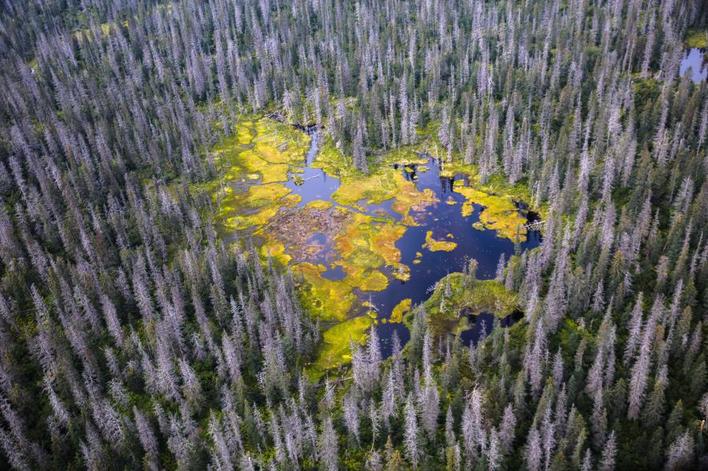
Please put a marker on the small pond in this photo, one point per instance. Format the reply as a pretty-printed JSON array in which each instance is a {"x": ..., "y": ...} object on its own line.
[
  {"x": 694, "y": 63},
  {"x": 364, "y": 245}
]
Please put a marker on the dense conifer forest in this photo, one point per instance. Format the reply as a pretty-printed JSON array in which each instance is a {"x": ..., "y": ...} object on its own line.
[{"x": 142, "y": 328}]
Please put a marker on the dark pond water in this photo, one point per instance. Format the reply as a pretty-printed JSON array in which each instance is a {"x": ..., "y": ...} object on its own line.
[
  {"x": 482, "y": 325},
  {"x": 694, "y": 64},
  {"x": 441, "y": 218}
]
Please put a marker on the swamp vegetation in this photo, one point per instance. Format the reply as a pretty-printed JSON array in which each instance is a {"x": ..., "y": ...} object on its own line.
[{"x": 342, "y": 233}]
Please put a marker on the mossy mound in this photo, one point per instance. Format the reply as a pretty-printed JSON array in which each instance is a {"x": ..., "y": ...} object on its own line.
[
  {"x": 400, "y": 310},
  {"x": 332, "y": 161},
  {"x": 499, "y": 214},
  {"x": 408, "y": 155},
  {"x": 275, "y": 250},
  {"x": 457, "y": 292},
  {"x": 401, "y": 272},
  {"x": 438, "y": 245}
]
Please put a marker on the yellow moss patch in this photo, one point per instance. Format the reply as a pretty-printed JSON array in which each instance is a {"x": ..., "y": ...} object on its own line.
[
  {"x": 362, "y": 277},
  {"x": 408, "y": 198},
  {"x": 408, "y": 155},
  {"x": 450, "y": 169},
  {"x": 255, "y": 207},
  {"x": 467, "y": 208},
  {"x": 324, "y": 298},
  {"x": 229, "y": 148},
  {"x": 264, "y": 147},
  {"x": 418, "y": 258},
  {"x": 245, "y": 132},
  {"x": 374, "y": 189},
  {"x": 276, "y": 251},
  {"x": 402, "y": 272},
  {"x": 400, "y": 310},
  {"x": 262, "y": 195},
  {"x": 438, "y": 245},
  {"x": 500, "y": 213},
  {"x": 383, "y": 242},
  {"x": 251, "y": 162},
  {"x": 335, "y": 350},
  {"x": 245, "y": 221},
  {"x": 385, "y": 184},
  {"x": 356, "y": 234},
  {"x": 332, "y": 160},
  {"x": 697, "y": 39},
  {"x": 260, "y": 154},
  {"x": 288, "y": 140},
  {"x": 319, "y": 204},
  {"x": 365, "y": 245}
]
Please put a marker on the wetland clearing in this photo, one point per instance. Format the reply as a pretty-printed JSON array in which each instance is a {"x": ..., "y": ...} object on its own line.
[{"x": 367, "y": 248}]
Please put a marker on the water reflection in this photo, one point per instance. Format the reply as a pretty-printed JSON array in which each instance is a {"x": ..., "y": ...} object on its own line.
[{"x": 694, "y": 65}]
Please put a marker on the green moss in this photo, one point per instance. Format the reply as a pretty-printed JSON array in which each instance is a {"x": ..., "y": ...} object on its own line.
[
  {"x": 500, "y": 212},
  {"x": 323, "y": 298},
  {"x": 332, "y": 160},
  {"x": 400, "y": 310},
  {"x": 385, "y": 184},
  {"x": 365, "y": 245},
  {"x": 335, "y": 350},
  {"x": 438, "y": 245},
  {"x": 697, "y": 39},
  {"x": 457, "y": 292}
]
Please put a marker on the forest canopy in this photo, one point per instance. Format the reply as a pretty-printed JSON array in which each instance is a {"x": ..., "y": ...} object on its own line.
[{"x": 155, "y": 313}]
